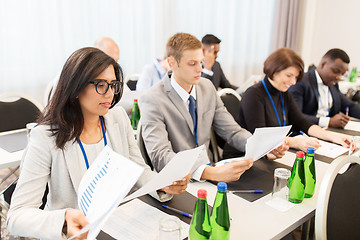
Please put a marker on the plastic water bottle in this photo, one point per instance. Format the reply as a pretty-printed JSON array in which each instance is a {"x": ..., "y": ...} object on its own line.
[
  {"x": 310, "y": 175},
  {"x": 220, "y": 219},
  {"x": 200, "y": 223},
  {"x": 297, "y": 179}
]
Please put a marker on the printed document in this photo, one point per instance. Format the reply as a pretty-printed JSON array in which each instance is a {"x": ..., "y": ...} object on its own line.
[
  {"x": 138, "y": 220},
  {"x": 331, "y": 150},
  {"x": 263, "y": 141},
  {"x": 179, "y": 166},
  {"x": 104, "y": 186}
]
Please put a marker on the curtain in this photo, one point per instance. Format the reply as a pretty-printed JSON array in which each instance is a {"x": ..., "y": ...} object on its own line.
[
  {"x": 287, "y": 19},
  {"x": 36, "y": 37}
]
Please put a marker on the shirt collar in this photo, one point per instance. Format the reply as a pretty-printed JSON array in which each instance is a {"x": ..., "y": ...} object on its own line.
[
  {"x": 319, "y": 80},
  {"x": 181, "y": 92}
]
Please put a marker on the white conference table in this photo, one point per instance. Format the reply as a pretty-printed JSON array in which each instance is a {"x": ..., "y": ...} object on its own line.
[
  {"x": 250, "y": 220},
  {"x": 10, "y": 159},
  {"x": 257, "y": 220}
]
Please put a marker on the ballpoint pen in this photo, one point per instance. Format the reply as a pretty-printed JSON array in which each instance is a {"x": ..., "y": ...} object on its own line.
[
  {"x": 246, "y": 191},
  {"x": 177, "y": 211},
  {"x": 347, "y": 111},
  {"x": 304, "y": 134}
]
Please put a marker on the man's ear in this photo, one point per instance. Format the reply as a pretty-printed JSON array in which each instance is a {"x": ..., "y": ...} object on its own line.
[
  {"x": 172, "y": 62},
  {"x": 323, "y": 63}
]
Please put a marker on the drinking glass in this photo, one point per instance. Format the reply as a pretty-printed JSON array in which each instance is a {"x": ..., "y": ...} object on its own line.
[
  {"x": 169, "y": 228},
  {"x": 280, "y": 190}
]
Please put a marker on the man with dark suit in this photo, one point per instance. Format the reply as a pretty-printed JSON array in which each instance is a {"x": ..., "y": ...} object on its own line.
[
  {"x": 318, "y": 95},
  {"x": 177, "y": 114},
  {"x": 211, "y": 68}
]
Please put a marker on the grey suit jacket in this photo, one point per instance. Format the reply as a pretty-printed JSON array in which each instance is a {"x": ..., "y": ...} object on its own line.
[
  {"x": 167, "y": 126},
  {"x": 62, "y": 169}
]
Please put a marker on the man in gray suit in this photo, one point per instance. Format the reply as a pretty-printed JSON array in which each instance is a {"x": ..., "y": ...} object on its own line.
[
  {"x": 177, "y": 114},
  {"x": 211, "y": 68}
]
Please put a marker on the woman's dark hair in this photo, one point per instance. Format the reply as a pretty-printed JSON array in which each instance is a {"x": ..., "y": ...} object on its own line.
[
  {"x": 63, "y": 112},
  {"x": 282, "y": 59}
]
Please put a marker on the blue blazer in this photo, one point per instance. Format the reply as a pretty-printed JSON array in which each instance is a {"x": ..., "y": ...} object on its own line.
[{"x": 306, "y": 95}]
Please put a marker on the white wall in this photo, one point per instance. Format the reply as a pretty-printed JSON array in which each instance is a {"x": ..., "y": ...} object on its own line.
[
  {"x": 36, "y": 37},
  {"x": 330, "y": 24}
]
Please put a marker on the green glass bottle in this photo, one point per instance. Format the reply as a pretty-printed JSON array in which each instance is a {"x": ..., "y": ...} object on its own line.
[
  {"x": 353, "y": 75},
  {"x": 200, "y": 228},
  {"x": 297, "y": 184},
  {"x": 135, "y": 115},
  {"x": 220, "y": 219},
  {"x": 310, "y": 175}
]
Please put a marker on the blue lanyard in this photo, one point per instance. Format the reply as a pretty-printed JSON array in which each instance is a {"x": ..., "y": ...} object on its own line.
[
  {"x": 82, "y": 147},
  {"x": 158, "y": 72},
  {"x": 328, "y": 103},
  {"x": 272, "y": 102}
]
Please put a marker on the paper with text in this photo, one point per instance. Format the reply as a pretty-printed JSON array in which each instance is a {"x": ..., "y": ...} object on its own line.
[
  {"x": 265, "y": 140},
  {"x": 103, "y": 187},
  {"x": 137, "y": 220},
  {"x": 331, "y": 150},
  {"x": 179, "y": 166}
]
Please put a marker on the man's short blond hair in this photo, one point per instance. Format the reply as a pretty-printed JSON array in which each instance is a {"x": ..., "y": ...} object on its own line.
[{"x": 180, "y": 42}]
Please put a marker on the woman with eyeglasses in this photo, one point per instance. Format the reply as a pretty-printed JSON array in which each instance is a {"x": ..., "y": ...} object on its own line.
[{"x": 75, "y": 126}]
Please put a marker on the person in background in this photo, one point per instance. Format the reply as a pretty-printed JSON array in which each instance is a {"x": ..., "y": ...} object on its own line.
[
  {"x": 152, "y": 73},
  {"x": 74, "y": 128},
  {"x": 318, "y": 95},
  {"x": 108, "y": 46},
  {"x": 177, "y": 114},
  {"x": 269, "y": 104},
  {"x": 211, "y": 68},
  {"x": 105, "y": 44}
]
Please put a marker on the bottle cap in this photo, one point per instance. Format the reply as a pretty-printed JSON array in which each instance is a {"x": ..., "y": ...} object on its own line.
[
  {"x": 310, "y": 150},
  {"x": 201, "y": 193},
  {"x": 221, "y": 186},
  {"x": 135, "y": 100},
  {"x": 300, "y": 154}
]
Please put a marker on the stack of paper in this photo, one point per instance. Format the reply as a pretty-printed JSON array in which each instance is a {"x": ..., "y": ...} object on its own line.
[
  {"x": 265, "y": 140},
  {"x": 98, "y": 195},
  {"x": 261, "y": 143},
  {"x": 179, "y": 166},
  {"x": 331, "y": 150},
  {"x": 137, "y": 220},
  {"x": 352, "y": 125}
]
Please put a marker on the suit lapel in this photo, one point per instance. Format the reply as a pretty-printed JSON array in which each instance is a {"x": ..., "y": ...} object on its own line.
[
  {"x": 178, "y": 102},
  {"x": 76, "y": 167},
  {"x": 112, "y": 130},
  {"x": 200, "y": 110},
  {"x": 314, "y": 85},
  {"x": 336, "y": 107}
]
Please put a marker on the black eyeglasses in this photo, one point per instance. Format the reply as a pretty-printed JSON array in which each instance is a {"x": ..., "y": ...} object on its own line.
[{"x": 102, "y": 86}]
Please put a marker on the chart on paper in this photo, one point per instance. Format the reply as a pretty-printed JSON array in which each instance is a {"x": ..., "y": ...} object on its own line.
[
  {"x": 87, "y": 195},
  {"x": 98, "y": 196}
]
